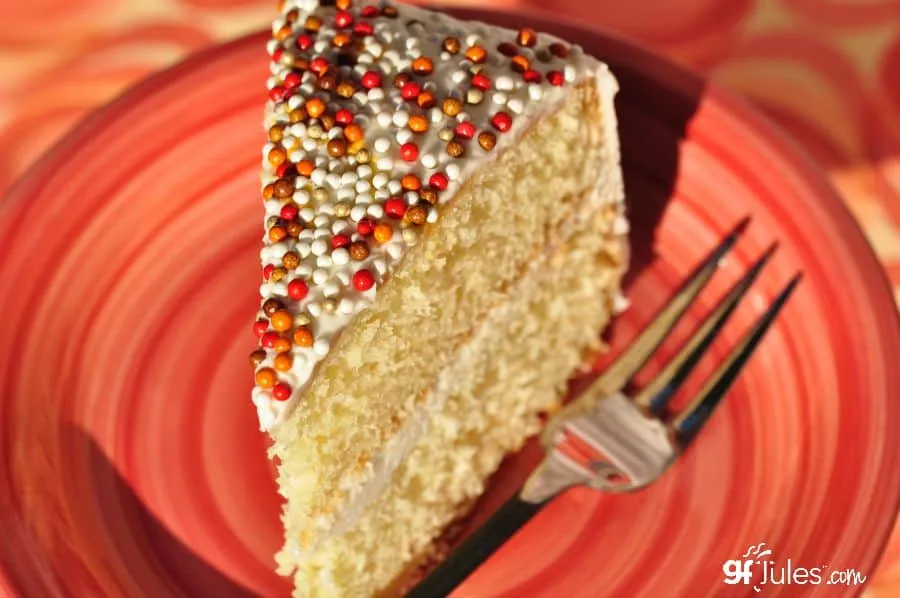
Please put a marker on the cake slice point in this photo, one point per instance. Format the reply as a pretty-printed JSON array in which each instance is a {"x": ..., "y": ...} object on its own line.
[{"x": 444, "y": 241}]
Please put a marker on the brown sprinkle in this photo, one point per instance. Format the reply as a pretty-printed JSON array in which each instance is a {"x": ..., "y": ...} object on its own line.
[
  {"x": 271, "y": 306},
  {"x": 327, "y": 121},
  {"x": 401, "y": 79},
  {"x": 455, "y": 149},
  {"x": 451, "y": 106},
  {"x": 422, "y": 65},
  {"x": 290, "y": 260},
  {"x": 283, "y": 188},
  {"x": 451, "y": 45},
  {"x": 390, "y": 12},
  {"x": 476, "y": 54},
  {"x": 293, "y": 229},
  {"x": 429, "y": 195},
  {"x": 527, "y": 38},
  {"x": 418, "y": 123},
  {"x": 337, "y": 148},
  {"x": 508, "y": 49},
  {"x": 327, "y": 82},
  {"x": 487, "y": 140},
  {"x": 257, "y": 357},
  {"x": 300, "y": 63},
  {"x": 559, "y": 50},
  {"x": 359, "y": 250},
  {"x": 416, "y": 215}
]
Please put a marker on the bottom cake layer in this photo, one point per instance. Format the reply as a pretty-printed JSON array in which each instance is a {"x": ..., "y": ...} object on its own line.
[{"x": 514, "y": 367}]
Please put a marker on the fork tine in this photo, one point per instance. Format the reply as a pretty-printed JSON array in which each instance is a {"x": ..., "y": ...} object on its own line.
[
  {"x": 689, "y": 422},
  {"x": 639, "y": 351},
  {"x": 657, "y": 394}
]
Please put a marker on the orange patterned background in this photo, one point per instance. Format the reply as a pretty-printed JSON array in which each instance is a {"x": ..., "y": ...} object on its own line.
[{"x": 828, "y": 71}]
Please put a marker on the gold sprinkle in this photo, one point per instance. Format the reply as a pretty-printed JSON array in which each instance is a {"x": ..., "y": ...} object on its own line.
[
  {"x": 456, "y": 149},
  {"x": 487, "y": 140},
  {"x": 527, "y": 37},
  {"x": 451, "y": 45},
  {"x": 451, "y": 106}
]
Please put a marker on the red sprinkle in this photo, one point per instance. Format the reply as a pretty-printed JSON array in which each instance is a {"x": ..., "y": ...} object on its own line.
[
  {"x": 267, "y": 271},
  {"x": 268, "y": 339},
  {"x": 343, "y": 19},
  {"x": 289, "y": 212},
  {"x": 439, "y": 181},
  {"x": 281, "y": 392},
  {"x": 339, "y": 241},
  {"x": 277, "y": 54},
  {"x": 365, "y": 227},
  {"x": 395, "y": 207},
  {"x": 371, "y": 79},
  {"x": 532, "y": 76},
  {"x": 409, "y": 152},
  {"x": 508, "y": 49},
  {"x": 318, "y": 65},
  {"x": 369, "y": 12},
  {"x": 260, "y": 327},
  {"x": 343, "y": 117},
  {"x": 481, "y": 81},
  {"x": 465, "y": 129},
  {"x": 502, "y": 121},
  {"x": 363, "y": 280},
  {"x": 410, "y": 90},
  {"x": 285, "y": 169},
  {"x": 363, "y": 29},
  {"x": 297, "y": 289},
  {"x": 276, "y": 94},
  {"x": 304, "y": 42},
  {"x": 556, "y": 78},
  {"x": 292, "y": 80}
]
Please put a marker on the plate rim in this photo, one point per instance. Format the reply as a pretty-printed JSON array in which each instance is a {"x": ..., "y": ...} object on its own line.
[{"x": 815, "y": 177}]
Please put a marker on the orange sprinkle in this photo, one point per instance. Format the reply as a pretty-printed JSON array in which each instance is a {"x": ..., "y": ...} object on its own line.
[
  {"x": 410, "y": 182},
  {"x": 353, "y": 132},
  {"x": 305, "y": 167},
  {"x": 281, "y": 320},
  {"x": 265, "y": 378},
  {"x": 269, "y": 191},
  {"x": 520, "y": 64},
  {"x": 277, "y": 156},
  {"x": 341, "y": 40},
  {"x": 422, "y": 65},
  {"x": 282, "y": 344},
  {"x": 276, "y": 133},
  {"x": 476, "y": 54},
  {"x": 418, "y": 123},
  {"x": 383, "y": 232},
  {"x": 283, "y": 33},
  {"x": 303, "y": 337},
  {"x": 315, "y": 107},
  {"x": 283, "y": 362},
  {"x": 277, "y": 233},
  {"x": 426, "y": 100}
]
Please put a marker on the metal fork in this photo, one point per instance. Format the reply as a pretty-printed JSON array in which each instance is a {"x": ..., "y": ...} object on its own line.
[{"x": 616, "y": 442}]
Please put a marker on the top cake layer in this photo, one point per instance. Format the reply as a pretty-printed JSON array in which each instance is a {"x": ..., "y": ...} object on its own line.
[{"x": 377, "y": 114}]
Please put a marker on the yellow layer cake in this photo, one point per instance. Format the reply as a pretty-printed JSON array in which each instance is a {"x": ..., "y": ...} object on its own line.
[{"x": 444, "y": 240}]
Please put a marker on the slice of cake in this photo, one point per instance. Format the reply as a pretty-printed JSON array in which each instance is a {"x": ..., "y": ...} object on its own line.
[{"x": 444, "y": 241}]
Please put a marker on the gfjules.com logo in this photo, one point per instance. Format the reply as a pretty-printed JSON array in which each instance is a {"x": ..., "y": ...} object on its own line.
[{"x": 759, "y": 568}]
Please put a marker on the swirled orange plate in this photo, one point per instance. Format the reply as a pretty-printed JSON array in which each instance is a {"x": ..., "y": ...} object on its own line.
[{"x": 130, "y": 462}]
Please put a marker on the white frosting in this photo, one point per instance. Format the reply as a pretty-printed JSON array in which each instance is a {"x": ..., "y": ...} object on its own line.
[{"x": 363, "y": 188}]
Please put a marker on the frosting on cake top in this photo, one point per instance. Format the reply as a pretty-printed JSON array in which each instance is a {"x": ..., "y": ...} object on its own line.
[{"x": 376, "y": 115}]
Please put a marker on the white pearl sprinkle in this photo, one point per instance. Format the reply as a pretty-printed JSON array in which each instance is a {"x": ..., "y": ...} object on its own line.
[
  {"x": 498, "y": 98},
  {"x": 452, "y": 171},
  {"x": 318, "y": 176},
  {"x": 295, "y": 102},
  {"x": 535, "y": 93},
  {"x": 363, "y": 186},
  {"x": 307, "y": 214},
  {"x": 330, "y": 289},
  {"x": 349, "y": 178},
  {"x": 344, "y": 277},
  {"x": 376, "y": 94},
  {"x": 428, "y": 160},
  {"x": 375, "y": 210},
  {"x": 357, "y": 213},
  {"x": 324, "y": 261},
  {"x": 340, "y": 256},
  {"x": 395, "y": 251},
  {"x": 319, "y": 247},
  {"x": 309, "y": 144},
  {"x": 296, "y": 155},
  {"x": 314, "y": 308},
  {"x": 411, "y": 197},
  {"x": 327, "y": 209},
  {"x": 380, "y": 265},
  {"x": 458, "y": 76},
  {"x": 401, "y": 118},
  {"x": 307, "y": 235},
  {"x": 319, "y": 276},
  {"x": 304, "y": 270},
  {"x": 301, "y": 197},
  {"x": 345, "y": 306},
  {"x": 504, "y": 83},
  {"x": 386, "y": 164},
  {"x": 320, "y": 347},
  {"x": 384, "y": 119},
  {"x": 279, "y": 288},
  {"x": 515, "y": 105},
  {"x": 394, "y": 187},
  {"x": 404, "y": 135},
  {"x": 379, "y": 180},
  {"x": 339, "y": 227},
  {"x": 436, "y": 115},
  {"x": 273, "y": 207},
  {"x": 345, "y": 194},
  {"x": 364, "y": 171},
  {"x": 363, "y": 198},
  {"x": 570, "y": 73},
  {"x": 333, "y": 180},
  {"x": 410, "y": 236},
  {"x": 321, "y": 220},
  {"x": 432, "y": 216},
  {"x": 382, "y": 145},
  {"x": 320, "y": 233},
  {"x": 382, "y": 194}
]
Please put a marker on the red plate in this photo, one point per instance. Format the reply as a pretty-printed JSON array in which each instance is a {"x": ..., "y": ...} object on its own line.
[{"x": 130, "y": 463}]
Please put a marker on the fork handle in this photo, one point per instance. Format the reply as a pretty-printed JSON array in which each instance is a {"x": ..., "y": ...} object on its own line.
[{"x": 477, "y": 548}]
